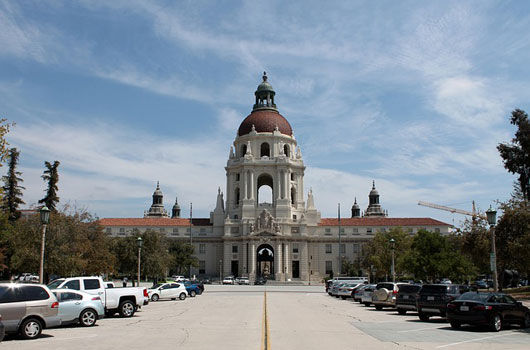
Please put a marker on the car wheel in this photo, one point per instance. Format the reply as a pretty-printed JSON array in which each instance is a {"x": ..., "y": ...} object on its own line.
[
  {"x": 496, "y": 323},
  {"x": 182, "y": 296},
  {"x": 343, "y": 298},
  {"x": 173, "y": 298},
  {"x": 193, "y": 293},
  {"x": 402, "y": 311},
  {"x": 30, "y": 328},
  {"x": 455, "y": 325},
  {"x": 366, "y": 304},
  {"x": 423, "y": 317},
  {"x": 88, "y": 318},
  {"x": 378, "y": 307},
  {"x": 526, "y": 321},
  {"x": 155, "y": 297},
  {"x": 126, "y": 308}
]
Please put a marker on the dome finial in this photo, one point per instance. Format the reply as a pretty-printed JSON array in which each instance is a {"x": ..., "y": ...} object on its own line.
[
  {"x": 373, "y": 185},
  {"x": 264, "y": 76}
]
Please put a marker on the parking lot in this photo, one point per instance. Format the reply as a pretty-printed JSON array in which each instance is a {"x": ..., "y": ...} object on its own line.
[{"x": 299, "y": 317}]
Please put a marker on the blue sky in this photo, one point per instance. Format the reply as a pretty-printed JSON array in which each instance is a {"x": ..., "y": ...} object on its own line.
[{"x": 415, "y": 95}]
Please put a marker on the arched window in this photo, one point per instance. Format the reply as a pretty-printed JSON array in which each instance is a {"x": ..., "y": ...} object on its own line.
[
  {"x": 293, "y": 196},
  {"x": 265, "y": 150},
  {"x": 243, "y": 151},
  {"x": 265, "y": 189},
  {"x": 286, "y": 150},
  {"x": 237, "y": 196}
]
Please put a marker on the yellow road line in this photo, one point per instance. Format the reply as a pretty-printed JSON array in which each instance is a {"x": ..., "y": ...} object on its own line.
[{"x": 265, "y": 334}]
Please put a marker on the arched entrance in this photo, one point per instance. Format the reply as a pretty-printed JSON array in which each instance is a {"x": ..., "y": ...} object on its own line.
[{"x": 265, "y": 257}]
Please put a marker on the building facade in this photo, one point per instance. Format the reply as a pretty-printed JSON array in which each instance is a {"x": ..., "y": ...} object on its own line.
[{"x": 285, "y": 239}]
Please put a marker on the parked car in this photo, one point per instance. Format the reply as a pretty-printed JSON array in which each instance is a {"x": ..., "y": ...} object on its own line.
[
  {"x": 78, "y": 307},
  {"x": 493, "y": 309},
  {"x": 358, "y": 292},
  {"x": 244, "y": 280},
  {"x": 178, "y": 278},
  {"x": 109, "y": 285},
  {"x": 206, "y": 280},
  {"x": 334, "y": 290},
  {"x": 346, "y": 290},
  {"x": 196, "y": 287},
  {"x": 366, "y": 299},
  {"x": 406, "y": 298},
  {"x": 124, "y": 300},
  {"x": 260, "y": 281},
  {"x": 385, "y": 294},
  {"x": 480, "y": 284},
  {"x": 167, "y": 291},
  {"x": 229, "y": 280},
  {"x": 433, "y": 298},
  {"x": 27, "y": 309}
]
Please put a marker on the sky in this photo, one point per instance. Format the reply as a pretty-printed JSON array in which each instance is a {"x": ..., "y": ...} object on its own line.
[{"x": 414, "y": 95}]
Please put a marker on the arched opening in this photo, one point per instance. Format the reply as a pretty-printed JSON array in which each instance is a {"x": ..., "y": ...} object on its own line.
[
  {"x": 265, "y": 189},
  {"x": 265, "y": 261},
  {"x": 236, "y": 196},
  {"x": 293, "y": 196},
  {"x": 243, "y": 151},
  {"x": 265, "y": 150},
  {"x": 286, "y": 150}
]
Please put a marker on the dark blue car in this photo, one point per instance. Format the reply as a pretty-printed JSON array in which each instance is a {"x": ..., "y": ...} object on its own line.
[{"x": 192, "y": 289}]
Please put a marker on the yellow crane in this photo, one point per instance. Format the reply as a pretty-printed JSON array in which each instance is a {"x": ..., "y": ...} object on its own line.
[{"x": 474, "y": 215}]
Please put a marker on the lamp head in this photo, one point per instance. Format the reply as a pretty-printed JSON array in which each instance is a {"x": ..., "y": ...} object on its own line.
[
  {"x": 492, "y": 216},
  {"x": 44, "y": 215},
  {"x": 139, "y": 242}
]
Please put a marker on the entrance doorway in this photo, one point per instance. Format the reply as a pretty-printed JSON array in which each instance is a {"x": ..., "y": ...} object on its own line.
[
  {"x": 296, "y": 269},
  {"x": 265, "y": 259},
  {"x": 235, "y": 268}
]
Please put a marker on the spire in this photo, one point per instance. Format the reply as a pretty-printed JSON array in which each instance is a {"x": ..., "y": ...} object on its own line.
[
  {"x": 373, "y": 184},
  {"x": 219, "y": 207},
  {"x": 310, "y": 200},
  {"x": 175, "y": 212},
  {"x": 264, "y": 95}
]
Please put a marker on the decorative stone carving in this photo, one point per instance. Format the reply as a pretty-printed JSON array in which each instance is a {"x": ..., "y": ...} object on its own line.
[
  {"x": 277, "y": 228},
  {"x": 265, "y": 220},
  {"x": 252, "y": 228}
]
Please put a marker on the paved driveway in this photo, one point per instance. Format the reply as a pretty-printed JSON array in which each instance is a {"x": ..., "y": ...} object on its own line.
[{"x": 233, "y": 317}]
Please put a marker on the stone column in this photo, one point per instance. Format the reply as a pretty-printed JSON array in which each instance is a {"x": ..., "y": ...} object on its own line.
[
  {"x": 287, "y": 260},
  {"x": 227, "y": 259},
  {"x": 243, "y": 268},
  {"x": 278, "y": 263},
  {"x": 252, "y": 257},
  {"x": 286, "y": 183},
  {"x": 251, "y": 185},
  {"x": 304, "y": 257}
]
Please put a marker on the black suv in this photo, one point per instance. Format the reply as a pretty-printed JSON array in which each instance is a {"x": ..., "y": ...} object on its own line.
[
  {"x": 433, "y": 298},
  {"x": 406, "y": 298}
]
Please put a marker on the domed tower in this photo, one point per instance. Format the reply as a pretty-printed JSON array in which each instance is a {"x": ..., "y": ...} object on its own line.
[
  {"x": 355, "y": 210},
  {"x": 157, "y": 208},
  {"x": 374, "y": 208},
  {"x": 175, "y": 212}
]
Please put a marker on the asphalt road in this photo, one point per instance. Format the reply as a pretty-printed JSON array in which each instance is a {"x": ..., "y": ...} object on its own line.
[{"x": 301, "y": 317}]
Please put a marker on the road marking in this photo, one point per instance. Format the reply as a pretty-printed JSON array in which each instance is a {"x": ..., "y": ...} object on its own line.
[
  {"x": 472, "y": 340},
  {"x": 417, "y": 330},
  {"x": 265, "y": 335}
]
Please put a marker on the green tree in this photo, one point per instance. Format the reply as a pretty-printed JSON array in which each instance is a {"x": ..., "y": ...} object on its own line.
[
  {"x": 155, "y": 255},
  {"x": 4, "y": 129},
  {"x": 476, "y": 244},
  {"x": 51, "y": 176},
  {"x": 516, "y": 155},
  {"x": 12, "y": 191},
  {"x": 182, "y": 257},
  {"x": 378, "y": 252}
]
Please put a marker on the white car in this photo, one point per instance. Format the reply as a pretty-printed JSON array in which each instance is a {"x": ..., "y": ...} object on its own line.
[
  {"x": 179, "y": 278},
  {"x": 366, "y": 299},
  {"x": 229, "y": 280},
  {"x": 244, "y": 280},
  {"x": 167, "y": 291}
]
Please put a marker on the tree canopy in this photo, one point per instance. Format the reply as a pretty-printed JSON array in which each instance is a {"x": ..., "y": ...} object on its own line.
[
  {"x": 12, "y": 191},
  {"x": 51, "y": 176}
]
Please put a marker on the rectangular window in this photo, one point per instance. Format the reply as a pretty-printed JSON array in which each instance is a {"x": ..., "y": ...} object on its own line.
[
  {"x": 329, "y": 267},
  {"x": 237, "y": 177},
  {"x": 411, "y": 230},
  {"x": 328, "y": 248},
  {"x": 203, "y": 230},
  {"x": 356, "y": 248},
  {"x": 162, "y": 230},
  {"x": 341, "y": 230},
  {"x": 295, "y": 248},
  {"x": 188, "y": 230},
  {"x": 202, "y": 267},
  {"x": 355, "y": 230},
  {"x": 328, "y": 230},
  {"x": 108, "y": 230},
  {"x": 234, "y": 229},
  {"x": 437, "y": 230},
  {"x": 295, "y": 229},
  {"x": 369, "y": 230},
  {"x": 91, "y": 284},
  {"x": 294, "y": 217},
  {"x": 122, "y": 230},
  {"x": 343, "y": 248},
  {"x": 73, "y": 284},
  {"x": 234, "y": 249},
  {"x": 202, "y": 248}
]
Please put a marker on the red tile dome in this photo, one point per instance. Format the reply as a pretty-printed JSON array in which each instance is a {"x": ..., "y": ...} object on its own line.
[{"x": 265, "y": 120}]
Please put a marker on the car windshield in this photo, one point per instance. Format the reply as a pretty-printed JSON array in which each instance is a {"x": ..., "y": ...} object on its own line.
[
  {"x": 158, "y": 285},
  {"x": 433, "y": 288},
  {"x": 474, "y": 296},
  {"x": 385, "y": 285},
  {"x": 406, "y": 288},
  {"x": 55, "y": 284}
]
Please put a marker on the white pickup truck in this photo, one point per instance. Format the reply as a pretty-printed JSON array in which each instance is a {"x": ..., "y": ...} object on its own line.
[{"x": 125, "y": 301}]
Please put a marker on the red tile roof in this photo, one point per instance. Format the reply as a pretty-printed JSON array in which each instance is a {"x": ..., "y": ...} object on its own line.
[
  {"x": 371, "y": 221},
  {"x": 153, "y": 222}
]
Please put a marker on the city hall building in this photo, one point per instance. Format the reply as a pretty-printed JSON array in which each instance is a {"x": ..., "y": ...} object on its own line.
[{"x": 283, "y": 240}]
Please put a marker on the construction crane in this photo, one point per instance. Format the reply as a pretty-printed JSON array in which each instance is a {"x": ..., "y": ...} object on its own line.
[{"x": 474, "y": 215}]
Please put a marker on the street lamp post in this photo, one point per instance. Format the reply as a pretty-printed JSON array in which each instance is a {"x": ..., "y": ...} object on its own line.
[
  {"x": 220, "y": 271},
  {"x": 492, "y": 219},
  {"x": 139, "y": 242},
  {"x": 44, "y": 220},
  {"x": 393, "y": 247}
]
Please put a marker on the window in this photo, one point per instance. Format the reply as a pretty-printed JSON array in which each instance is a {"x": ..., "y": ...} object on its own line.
[
  {"x": 122, "y": 230},
  {"x": 237, "y": 195},
  {"x": 91, "y": 284},
  {"x": 369, "y": 230},
  {"x": 243, "y": 150},
  {"x": 295, "y": 229},
  {"x": 355, "y": 230},
  {"x": 293, "y": 176},
  {"x": 342, "y": 230},
  {"x": 328, "y": 248},
  {"x": 286, "y": 150},
  {"x": 234, "y": 249},
  {"x": 236, "y": 217},
  {"x": 108, "y": 230},
  {"x": 437, "y": 230},
  {"x": 34, "y": 293},
  {"x": 343, "y": 248},
  {"x": 234, "y": 229},
  {"x": 73, "y": 284},
  {"x": 203, "y": 230},
  {"x": 162, "y": 230},
  {"x": 294, "y": 217},
  {"x": 66, "y": 296},
  {"x": 356, "y": 248},
  {"x": 295, "y": 248},
  {"x": 202, "y": 267},
  {"x": 188, "y": 230},
  {"x": 175, "y": 230},
  {"x": 202, "y": 248},
  {"x": 328, "y": 230},
  {"x": 382, "y": 229},
  {"x": 329, "y": 267},
  {"x": 237, "y": 177},
  {"x": 265, "y": 150},
  {"x": 411, "y": 230}
]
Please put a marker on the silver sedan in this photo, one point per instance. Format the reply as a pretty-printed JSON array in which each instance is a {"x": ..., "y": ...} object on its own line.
[{"x": 78, "y": 307}]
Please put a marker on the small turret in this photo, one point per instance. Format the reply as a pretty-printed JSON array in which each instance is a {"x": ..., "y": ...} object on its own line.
[
  {"x": 355, "y": 210},
  {"x": 157, "y": 208},
  {"x": 175, "y": 212},
  {"x": 374, "y": 208}
]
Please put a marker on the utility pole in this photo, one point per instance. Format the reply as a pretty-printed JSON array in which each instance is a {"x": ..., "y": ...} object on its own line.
[
  {"x": 340, "y": 252},
  {"x": 191, "y": 239}
]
